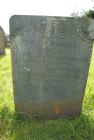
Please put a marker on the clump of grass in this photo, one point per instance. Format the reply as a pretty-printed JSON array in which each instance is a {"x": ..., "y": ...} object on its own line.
[{"x": 79, "y": 128}]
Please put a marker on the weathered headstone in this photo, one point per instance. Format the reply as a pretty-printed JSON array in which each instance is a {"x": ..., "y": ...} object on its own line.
[
  {"x": 2, "y": 42},
  {"x": 50, "y": 58}
]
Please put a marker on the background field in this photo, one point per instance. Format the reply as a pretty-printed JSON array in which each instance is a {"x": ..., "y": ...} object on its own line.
[{"x": 79, "y": 128}]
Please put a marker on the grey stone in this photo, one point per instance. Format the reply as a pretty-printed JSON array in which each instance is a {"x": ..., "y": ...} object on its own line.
[
  {"x": 2, "y": 41},
  {"x": 91, "y": 29},
  {"x": 50, "y": 61}
]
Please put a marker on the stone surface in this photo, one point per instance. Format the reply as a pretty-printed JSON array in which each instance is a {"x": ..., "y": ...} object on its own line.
[
  {"x": 91, "y": 29},
  {"x": 2, "y": 42},
  {"x": 50, "y": 58}
]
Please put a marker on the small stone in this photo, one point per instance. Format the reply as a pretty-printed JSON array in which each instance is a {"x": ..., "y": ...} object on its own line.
[{"x": 2, "y": 42}]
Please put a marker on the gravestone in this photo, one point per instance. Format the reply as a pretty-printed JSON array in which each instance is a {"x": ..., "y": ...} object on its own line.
[
  {"x": 50, "y": 62},
  {"x": 2, "y": 42}
]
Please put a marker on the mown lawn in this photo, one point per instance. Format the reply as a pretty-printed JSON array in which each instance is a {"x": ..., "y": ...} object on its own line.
[{"x": 78, "y": 128}]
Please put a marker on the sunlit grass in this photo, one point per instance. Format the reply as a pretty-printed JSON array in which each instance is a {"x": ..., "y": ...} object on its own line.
[
  {"x": 6, "y": 90},
  {"x": 88, "y": 104},
  {"x": 79, "y": 128}
]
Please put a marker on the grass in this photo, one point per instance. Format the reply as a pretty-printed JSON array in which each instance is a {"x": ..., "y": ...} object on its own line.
[{"x": 78, "y": 128}]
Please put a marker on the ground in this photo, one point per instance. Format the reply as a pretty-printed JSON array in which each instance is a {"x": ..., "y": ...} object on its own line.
[{"x": 11, "y": 128}]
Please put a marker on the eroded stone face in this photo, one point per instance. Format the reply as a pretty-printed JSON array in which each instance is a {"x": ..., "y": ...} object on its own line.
[
  {"x": 2, "y": 42},
  {"x": 50, "y": 60}
]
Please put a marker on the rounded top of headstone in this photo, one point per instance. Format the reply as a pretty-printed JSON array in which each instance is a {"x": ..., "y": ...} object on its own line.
[
  {"x": 2, "y": 41},
  {"x": 1, "y": 29}
]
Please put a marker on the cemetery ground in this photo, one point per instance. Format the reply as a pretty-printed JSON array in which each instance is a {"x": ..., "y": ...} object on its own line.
[{"x": 11, "y": 128}]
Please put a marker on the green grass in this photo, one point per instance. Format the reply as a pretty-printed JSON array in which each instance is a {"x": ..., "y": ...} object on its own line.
[{"x": 78, "y": 128}]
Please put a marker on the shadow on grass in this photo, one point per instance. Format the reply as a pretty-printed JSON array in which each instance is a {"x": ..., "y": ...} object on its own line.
[
  {"x": 2, "y": 56},
  {"x": 74, "y": 129},
  {"x": 78, "y": 128}
]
